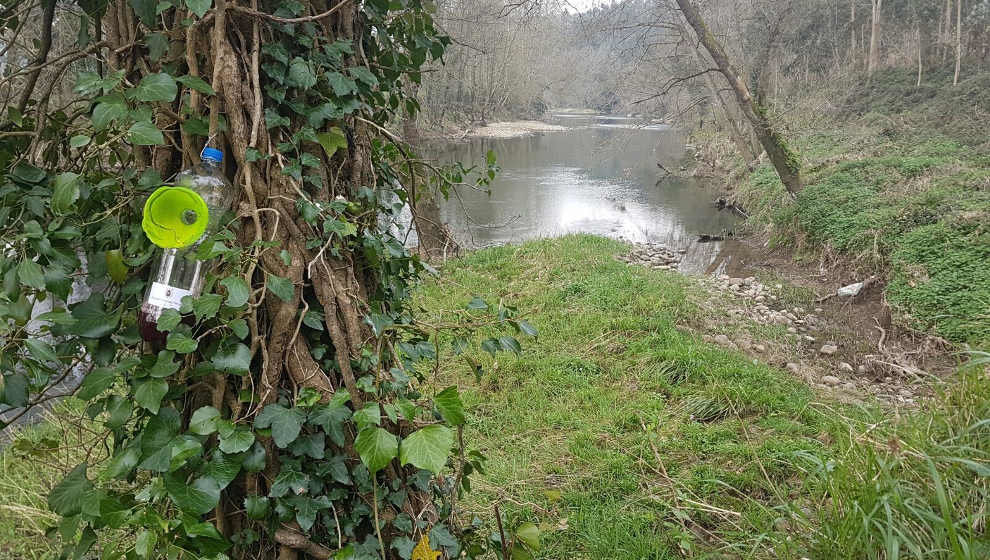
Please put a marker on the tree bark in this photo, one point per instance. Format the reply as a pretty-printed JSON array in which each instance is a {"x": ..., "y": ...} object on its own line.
[
  {"x": 955, "y": 78},
  {"x": 874, "y": 27},
  {"x": 783, "y": 159}
]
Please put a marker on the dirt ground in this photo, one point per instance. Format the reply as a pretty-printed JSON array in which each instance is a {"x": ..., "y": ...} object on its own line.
[{"x": 767, "y": 305}]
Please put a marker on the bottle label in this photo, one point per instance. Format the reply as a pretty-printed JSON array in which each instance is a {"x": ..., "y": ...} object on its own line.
[{"x": 165, "y": 296}]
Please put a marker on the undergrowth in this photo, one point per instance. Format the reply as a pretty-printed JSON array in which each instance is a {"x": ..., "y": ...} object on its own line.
[{"x": 898, "y": 181}]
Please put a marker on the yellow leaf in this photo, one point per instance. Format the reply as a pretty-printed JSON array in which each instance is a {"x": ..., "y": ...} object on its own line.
[{"x": 423, "y": 550}]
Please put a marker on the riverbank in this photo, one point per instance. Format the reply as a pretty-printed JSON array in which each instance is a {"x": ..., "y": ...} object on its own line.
[
  {"x": 624, "y": 433},
  {"x": 896, "y": 189}
]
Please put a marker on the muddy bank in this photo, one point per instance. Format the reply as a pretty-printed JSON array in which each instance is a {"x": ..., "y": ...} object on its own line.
[{"x": 785, "y": 314}]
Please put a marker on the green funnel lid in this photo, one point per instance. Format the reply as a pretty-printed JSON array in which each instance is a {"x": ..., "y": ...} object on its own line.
[{"x": 174, "y": 217}]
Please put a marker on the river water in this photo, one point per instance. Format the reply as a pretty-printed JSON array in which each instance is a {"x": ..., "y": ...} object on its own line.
[{"x": 600, "y": 176}]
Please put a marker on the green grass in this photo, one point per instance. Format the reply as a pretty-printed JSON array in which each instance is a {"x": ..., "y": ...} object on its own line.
[
  {"x": 897, "y": 182},
  {"x": 570, "y": 427}
]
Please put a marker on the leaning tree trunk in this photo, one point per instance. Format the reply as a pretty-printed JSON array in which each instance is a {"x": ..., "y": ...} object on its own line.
[{"x": 784, "y": 160}]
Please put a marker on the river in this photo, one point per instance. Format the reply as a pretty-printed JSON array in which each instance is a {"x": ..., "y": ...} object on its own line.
[{"x": 599, "y": 176}]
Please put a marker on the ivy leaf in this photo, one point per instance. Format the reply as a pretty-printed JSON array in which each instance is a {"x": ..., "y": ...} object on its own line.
[
  {"x": 363, "y": 75},
  {"x": 108, "y": 111},
  {"x": 41, "y": 350},
  {"x": 181, "y": 449},
  {"x": 195, "y": 82},
  {"x": 332, "y": 418},
  {"x": 300, "y": 74},
  {"x": 377, "y": 447},
  {"x": 529, "y": 534},
  {"x": 168, "y": 320},
  {"x": 235, "y": 358},
  {"x": 65, "y": 192},
  {"x": 341, "y": 84},
  {"x": 254, "y": 460},
  {"x": 449, "y": 404},
  {"x": 96, "y": 381},
  {"x": 156, "y": 87},
  {"x": 157, "y": 45},
  {"x": 237, "y": 291},
  {"x": 181, "y": 343},
  {"x": 92, "y": 321},
  {"x": 145, "y": 11},
  {"x": 204, "y": 421},
  {"x": 306, "y": 511},
  {"x": 149, "y": 394},
  {"x": 428, "y": 448},
  {"x": 237, "y": 440},
  {"x": 144, "y": 545},
  {"x": 224, "y": 468},
  {"x": 332, "y": 140},
  {"x": 15, "y": 389},
  {"x": 239, "y": 328},
  {"x": 256, "y": 506},
  {"x": 289, "y": 480},
  {"x": 144, "y": 133},
  {"x": 165, "y": 365},
  {"x": 281, "y": 287},
  {"x": 197, "y": 498},
  {"x": 199, "y": 7},
  {"x": 79, "y": 140},
  {"x": 31, "y": 274},
  {"x": 206, "y": 306},
  {"x": 67, "y": 496},
  {"x": 284, "y": 422},
  {"x": 368, "y": 416}
]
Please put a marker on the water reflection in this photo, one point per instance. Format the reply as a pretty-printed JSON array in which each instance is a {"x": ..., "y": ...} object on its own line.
[{"x": 599, "y": 177}]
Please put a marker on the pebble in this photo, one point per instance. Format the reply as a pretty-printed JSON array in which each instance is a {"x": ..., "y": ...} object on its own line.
[
  {"x": 831, "y": 380},
  {"x": 792, "y": 367},
  {"x": 845, "y": 367},
  {"x": 722, "y": 340},
  {"x": 760, "y": 348},
  {"x": 829, "y": 349}
]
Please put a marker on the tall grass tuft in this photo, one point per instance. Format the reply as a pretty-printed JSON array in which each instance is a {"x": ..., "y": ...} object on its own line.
[{"x": 917, "y": 486}]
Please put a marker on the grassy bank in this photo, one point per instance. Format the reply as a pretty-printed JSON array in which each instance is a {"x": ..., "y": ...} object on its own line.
[
  {"x": 898, "y": 183},
  {"x": 624, "y": 435}
]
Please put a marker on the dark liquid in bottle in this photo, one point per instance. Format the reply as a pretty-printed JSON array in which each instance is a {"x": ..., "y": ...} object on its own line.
[{"x": 148, "y": 325}]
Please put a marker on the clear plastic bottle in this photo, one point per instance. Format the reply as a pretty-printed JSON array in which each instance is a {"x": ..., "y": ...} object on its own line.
[{"x": 178, "y": 217}]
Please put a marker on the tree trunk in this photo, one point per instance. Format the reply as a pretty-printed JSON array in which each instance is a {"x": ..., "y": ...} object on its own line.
[
  {"x": 955, "y": 77},
  {"x": 332, "y": 275},
  {"x": 874, "y": 28},
  {"x": 852, "y": 33},
  {"x": 920, "y": 48},
  {"x": 784, "y": 160}
]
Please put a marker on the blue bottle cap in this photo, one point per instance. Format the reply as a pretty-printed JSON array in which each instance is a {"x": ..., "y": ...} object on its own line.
[{"x": 212, "y": 154}]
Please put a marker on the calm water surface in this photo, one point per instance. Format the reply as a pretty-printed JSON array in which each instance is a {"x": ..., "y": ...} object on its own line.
[{"x": 600, "y": 176}]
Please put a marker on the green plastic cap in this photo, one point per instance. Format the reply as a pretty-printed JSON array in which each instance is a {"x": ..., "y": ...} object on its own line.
[{"x": 174, "y": 217}]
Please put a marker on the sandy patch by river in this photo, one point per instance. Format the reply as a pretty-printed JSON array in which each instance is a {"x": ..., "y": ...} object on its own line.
[{"x": 512, "y": 129}]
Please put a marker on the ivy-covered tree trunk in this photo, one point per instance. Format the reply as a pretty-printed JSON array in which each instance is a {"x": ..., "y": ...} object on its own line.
[{"x": 287, "y": 414}]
